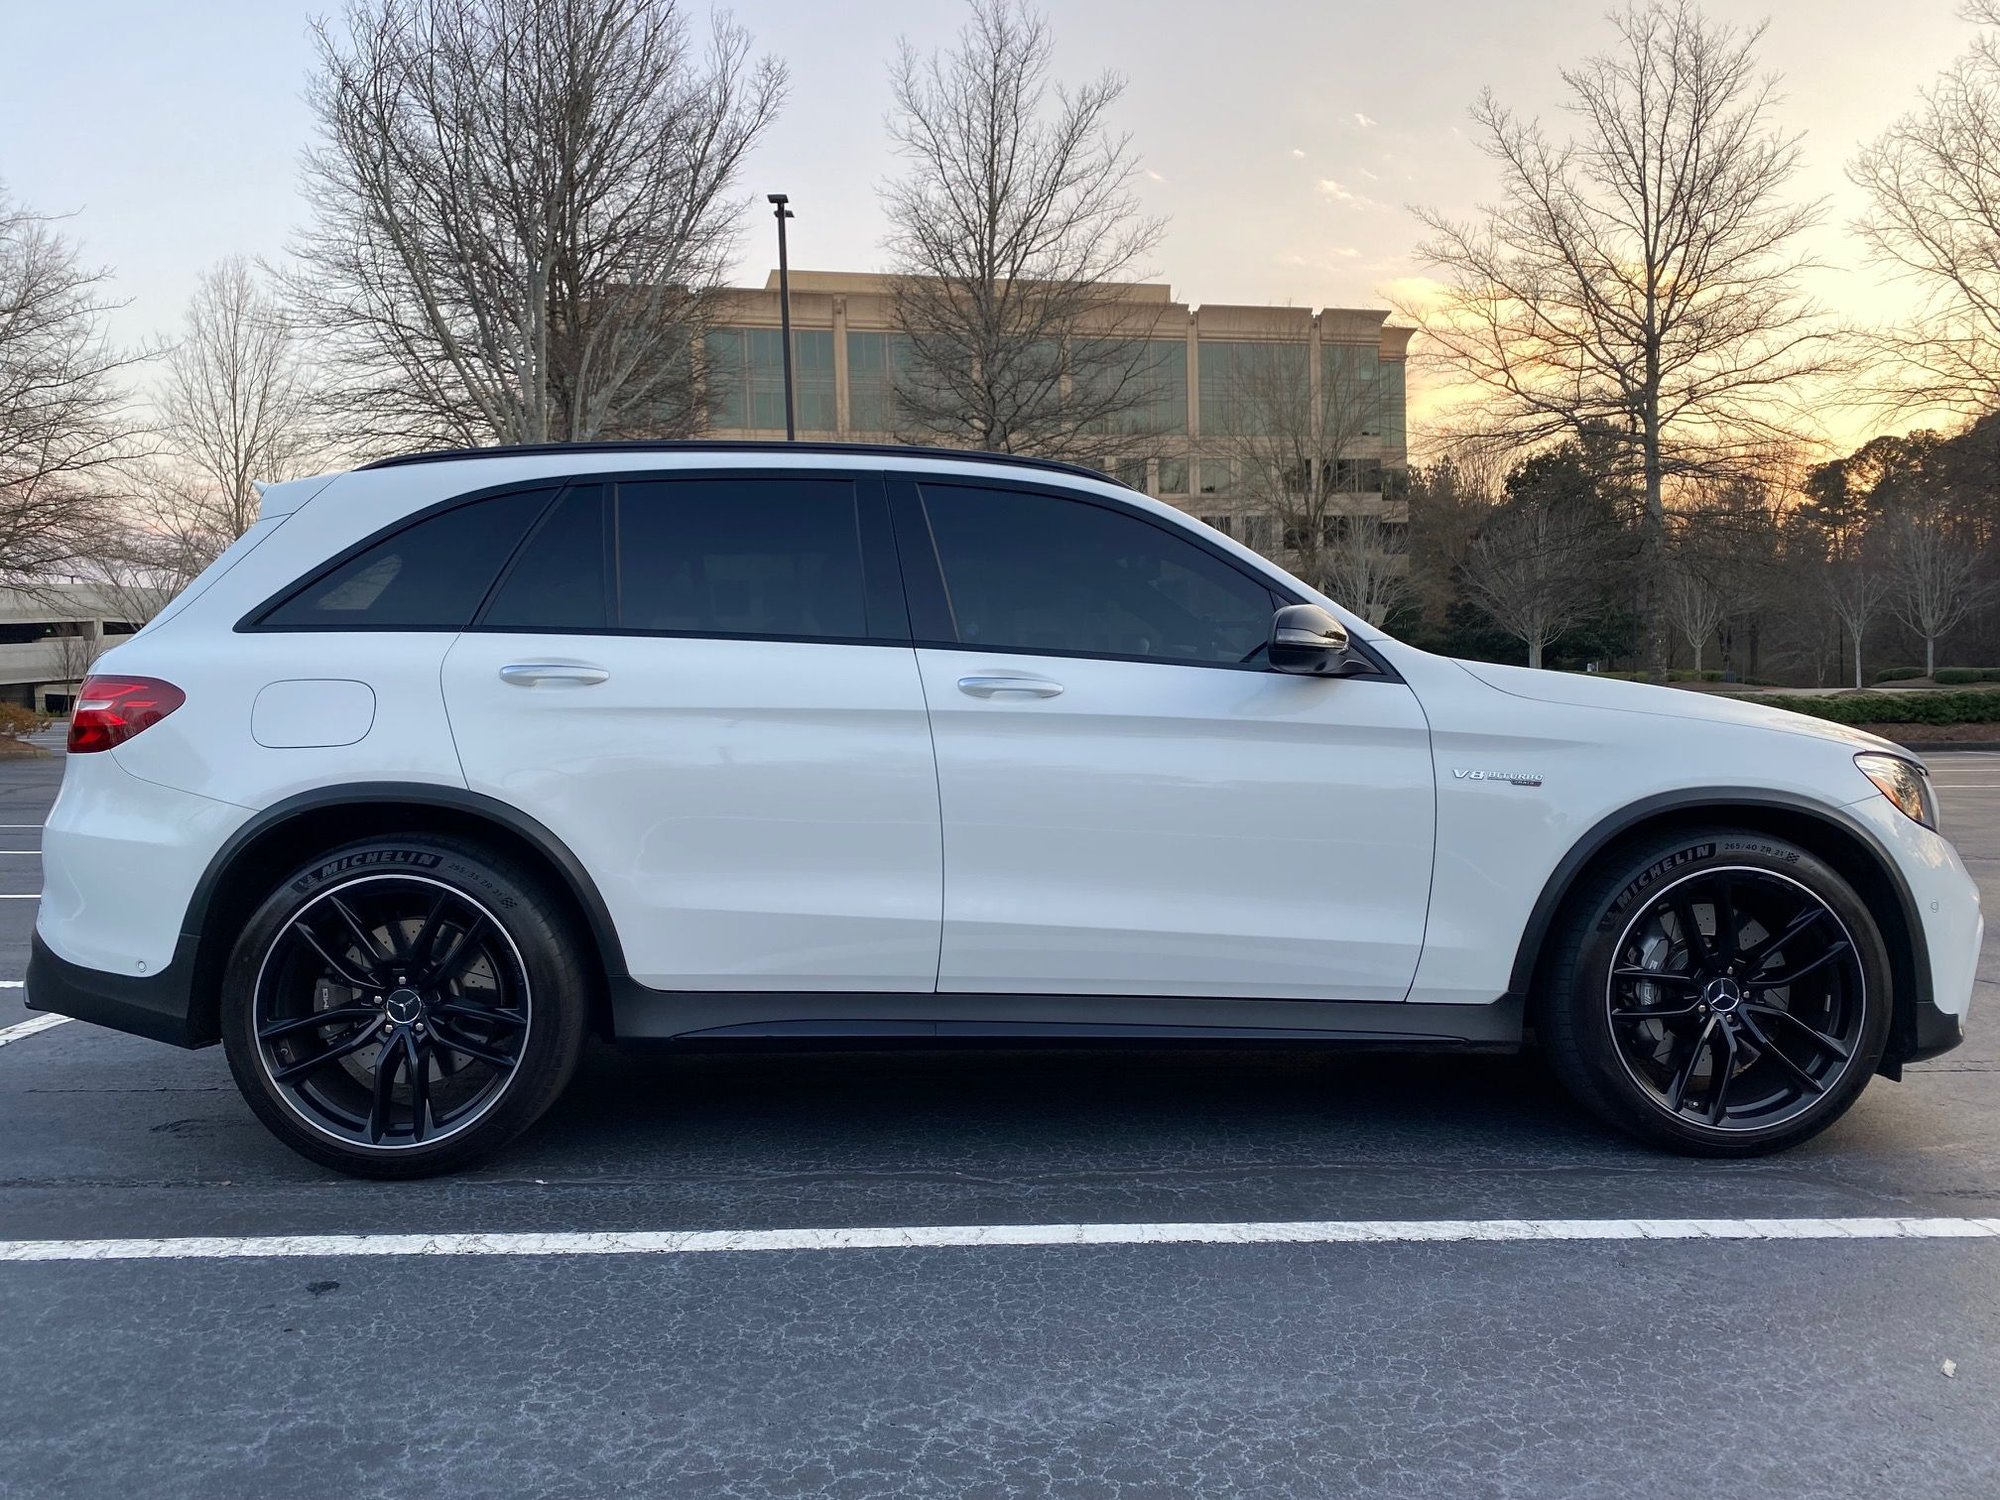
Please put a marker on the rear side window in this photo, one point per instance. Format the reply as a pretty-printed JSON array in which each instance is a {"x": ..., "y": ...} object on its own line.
[
  {"x": 560, "y": 581},
  {"x": 741, "y": 557},
  {"x": 429, "y": 576}
]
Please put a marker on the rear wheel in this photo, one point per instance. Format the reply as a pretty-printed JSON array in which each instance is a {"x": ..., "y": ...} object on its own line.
[
  {"x": 403, "y": 1007},
  {"x": 1723, "y": 992}
]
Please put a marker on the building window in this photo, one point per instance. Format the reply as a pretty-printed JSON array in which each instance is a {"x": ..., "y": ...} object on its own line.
[
  {"x": 746, "y": 378},
  {"x": 874, "y": 360},
  {"x": 1143, "y": 380},
  {"x": 1350, "y": 393},
  {"x": 1132, "y": 471},
  {"x": 1257, "y": 534},
  {"x": 1249, "y": 389},
  {"x": 1220, "y": 523},
  {"x": 1217, "y": 476},
  {"x": 1173, "y": 476}
]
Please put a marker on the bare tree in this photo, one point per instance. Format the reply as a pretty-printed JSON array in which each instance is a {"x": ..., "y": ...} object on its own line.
[
  {"x": 1538, "y": 569},
  {"x": 1935, "y": 580},
  {"x": 1693, "y": 601},
  {"x": 235, "y": 405},
  {"x": 521, "y": 209},
  {"x": 1368, "y": 566},
  {"x": 63, "y": 420},
  {"x": 1009, "y": 234},
  {"x": 1933, "y": 185},
  {"x": 1855, "y": 589},
  {"x": 1636, "y": 282},
  {"x": 1299, "y": 438}
]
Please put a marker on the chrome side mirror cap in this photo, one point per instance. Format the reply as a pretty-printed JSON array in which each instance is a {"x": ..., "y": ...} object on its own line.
[{"x": 1307, "y": 640}]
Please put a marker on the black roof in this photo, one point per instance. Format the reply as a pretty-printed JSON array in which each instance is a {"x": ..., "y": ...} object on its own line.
[{"x": 724, "y": 445}]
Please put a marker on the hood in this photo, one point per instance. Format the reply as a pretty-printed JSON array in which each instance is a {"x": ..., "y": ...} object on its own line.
[{"x": 1581, "y": 690}]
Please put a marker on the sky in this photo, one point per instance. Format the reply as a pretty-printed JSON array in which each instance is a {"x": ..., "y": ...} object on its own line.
[{"x": 1283, "y": 140}]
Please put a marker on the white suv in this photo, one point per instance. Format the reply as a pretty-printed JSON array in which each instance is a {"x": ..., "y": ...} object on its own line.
[{"x": 456, "y": 758}]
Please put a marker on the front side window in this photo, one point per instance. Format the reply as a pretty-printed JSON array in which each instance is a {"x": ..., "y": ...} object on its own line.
[
  {"x": 429, "y": 576},
  {"x": 1038, "y": 573},
  {"x": 741, "y": 557}
]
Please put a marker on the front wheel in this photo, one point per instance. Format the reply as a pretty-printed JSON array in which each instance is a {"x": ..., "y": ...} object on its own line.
[
  {"x": 1723, "y": 993},
  {"x": 403, "y": 1007}
]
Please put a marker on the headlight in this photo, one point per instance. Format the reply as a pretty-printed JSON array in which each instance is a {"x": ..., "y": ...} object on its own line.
[{"x": 1903, "y": 783}]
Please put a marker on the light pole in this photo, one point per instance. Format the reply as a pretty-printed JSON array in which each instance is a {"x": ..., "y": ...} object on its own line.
[{"x": 782, "y": 213}]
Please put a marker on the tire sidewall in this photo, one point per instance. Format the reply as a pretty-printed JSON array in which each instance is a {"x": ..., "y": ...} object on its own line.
[
  {"x": 555, "y": 997},
  {"x": 1662, "y": 867}
]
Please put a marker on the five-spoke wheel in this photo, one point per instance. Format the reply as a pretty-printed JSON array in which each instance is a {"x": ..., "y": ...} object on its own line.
[
  {"x": 1721, "y": 991},
  {"x": 404, "y": 1007},
  {"x": 392, "y": 1010},
  {"x": 1737, "y": 999}
]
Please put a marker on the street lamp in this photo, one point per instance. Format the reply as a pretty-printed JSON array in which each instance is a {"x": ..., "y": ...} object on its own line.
[{"x": 782, "y": 213}]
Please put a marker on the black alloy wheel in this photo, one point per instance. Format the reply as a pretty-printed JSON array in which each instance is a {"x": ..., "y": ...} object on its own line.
[
  {"x": 1722, "y": 992},
  {"x": 405, "y": 1006},
  {"x": 1737, "y": 999},
  {"x": 392, "y": 1010}
]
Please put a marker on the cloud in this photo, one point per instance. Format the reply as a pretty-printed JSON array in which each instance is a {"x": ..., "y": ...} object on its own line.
[
  {"x": 1363, "y": 121},
  {"x": 1154, "y": 176},
  {"x": 1297, "y": 154},
  {"x": 1340, "y": 194},
  {"x": 1368, "y": 174}
]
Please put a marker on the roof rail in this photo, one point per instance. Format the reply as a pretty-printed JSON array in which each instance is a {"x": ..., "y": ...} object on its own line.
[{"x": 728, "y": 445}]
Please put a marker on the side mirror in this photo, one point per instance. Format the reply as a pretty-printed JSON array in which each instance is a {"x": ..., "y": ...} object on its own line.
[{"x": 1307, "y": 640}]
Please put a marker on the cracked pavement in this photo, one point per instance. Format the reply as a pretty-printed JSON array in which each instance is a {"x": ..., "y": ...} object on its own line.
[{"x": 1457, "y": 1370}]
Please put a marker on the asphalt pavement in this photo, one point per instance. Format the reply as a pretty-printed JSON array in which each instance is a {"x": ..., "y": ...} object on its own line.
[{"x": 1683, "y": 1366}]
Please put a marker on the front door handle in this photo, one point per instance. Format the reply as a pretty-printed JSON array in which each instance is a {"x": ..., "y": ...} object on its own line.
[
  {"x": 1001, "y": 687},
  {"x": 553, "y": 674}
]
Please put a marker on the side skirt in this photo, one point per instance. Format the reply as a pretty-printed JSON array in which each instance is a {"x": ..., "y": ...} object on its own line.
[{"x": 640, "y": 1013}]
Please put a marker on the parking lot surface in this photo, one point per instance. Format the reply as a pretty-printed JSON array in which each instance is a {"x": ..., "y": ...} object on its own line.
[{"x": 1809, "y": 1367}]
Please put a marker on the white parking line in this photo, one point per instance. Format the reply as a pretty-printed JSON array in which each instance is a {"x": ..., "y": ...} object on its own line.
[
  {"x": 22, "y": 1030},
  {"x": 992, "y": 1236},
  {"x": 20, "y": 895}
]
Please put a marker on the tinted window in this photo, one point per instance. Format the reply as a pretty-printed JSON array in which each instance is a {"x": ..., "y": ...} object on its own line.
[
  {"x": 559, "y": 580},
  {"x": 430, "y": 576},
  {"x": 741, "y": 557},
  {"x": 1037, "y": 573}
]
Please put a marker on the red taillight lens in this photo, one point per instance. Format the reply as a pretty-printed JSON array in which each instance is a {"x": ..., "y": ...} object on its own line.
[{"x": 110, "y": 710}]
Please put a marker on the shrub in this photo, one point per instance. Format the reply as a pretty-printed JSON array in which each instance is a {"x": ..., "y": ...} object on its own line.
[
  {"x": 1898, "y": 674},
  {"x": 16, "y": 721},
  {"x": 1960, "y": 676},
  {"x": 1889, "y": 708}
]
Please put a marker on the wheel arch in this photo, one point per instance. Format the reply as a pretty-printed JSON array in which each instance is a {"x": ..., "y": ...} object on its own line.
[
  {"x": 282, "y": 836},
  {"x": 1831, "y": 833}
]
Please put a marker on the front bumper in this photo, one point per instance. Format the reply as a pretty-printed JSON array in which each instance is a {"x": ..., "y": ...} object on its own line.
[{"x": 159, "y": 1006}]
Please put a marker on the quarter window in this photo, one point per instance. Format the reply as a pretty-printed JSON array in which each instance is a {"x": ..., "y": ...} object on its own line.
[
  {"x": 429, "y": 576},
  {"x": 1036, "y": 572},
  {"x": 746, "y": 557}
]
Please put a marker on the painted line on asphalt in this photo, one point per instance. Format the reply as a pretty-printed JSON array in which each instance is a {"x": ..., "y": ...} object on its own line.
[
  {"x": 997, "y": 1236},
  {"x": 20, "y": 895},
  {"x": 20, "y": 1031},
  {"x": 12, "y": 984}
]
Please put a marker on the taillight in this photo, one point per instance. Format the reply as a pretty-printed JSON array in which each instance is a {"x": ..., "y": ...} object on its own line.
[{"x": 110, "y": 710}]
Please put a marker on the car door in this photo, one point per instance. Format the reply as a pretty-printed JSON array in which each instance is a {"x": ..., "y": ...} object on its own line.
[
  {"x": 1133, "y": 803},
  {"x": 704, "y": 686}
]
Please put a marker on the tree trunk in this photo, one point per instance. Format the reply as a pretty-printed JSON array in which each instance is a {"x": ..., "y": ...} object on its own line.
[
  {"x": 1930, "y": 656},
  {"x": 1534, "y": 653},
  {"x": 1857, "y": 658}
]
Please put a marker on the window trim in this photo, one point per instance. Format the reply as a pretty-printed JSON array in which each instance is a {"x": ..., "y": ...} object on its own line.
[
  {"x": 931, "y": 620},
  {"x": 883, "y": 592}
]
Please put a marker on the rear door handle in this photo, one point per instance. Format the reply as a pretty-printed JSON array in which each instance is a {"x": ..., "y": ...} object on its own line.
[
  {"x": 996, "y": 687},
  {"x": 553, "y": 673}
]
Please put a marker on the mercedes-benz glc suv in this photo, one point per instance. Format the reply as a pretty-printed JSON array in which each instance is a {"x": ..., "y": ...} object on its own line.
[{"x": 456, "y": 759}]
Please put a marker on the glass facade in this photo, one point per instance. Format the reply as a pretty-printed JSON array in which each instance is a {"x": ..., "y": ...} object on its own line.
[
  {"x": 1242, "y": 381},
  {"x": 746, "y": 378},
  {"x": 874, "y": 360}
]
